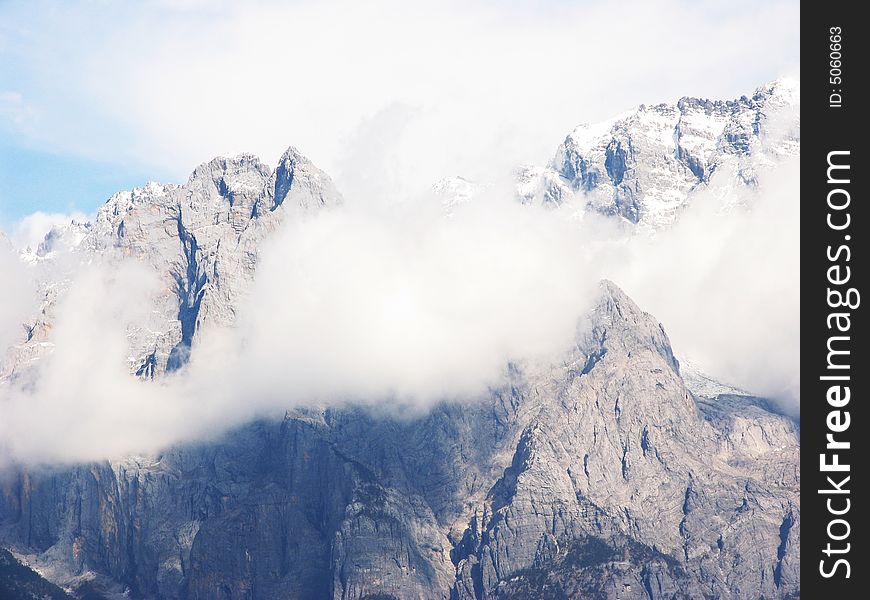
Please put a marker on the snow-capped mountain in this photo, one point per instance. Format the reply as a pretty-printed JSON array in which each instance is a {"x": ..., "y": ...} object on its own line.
[
  {"x": 644, "y": 166},
  {"x": 610, "y": 471},
  {"x": 202, "y": 238}
]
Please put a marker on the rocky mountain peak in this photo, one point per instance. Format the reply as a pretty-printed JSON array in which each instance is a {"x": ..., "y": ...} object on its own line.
[
  {"x": 615, "y": 309},
  {"x": 785, "y": 91},
  {"x": 202, "y": 238},
  {"x": 595, "y": 473},
  {"x": 63, "y": 237},
  {"x": 234, "y": 177},
  {"x": 643, "y": 166},
  {"x": 297, "y": 183}
]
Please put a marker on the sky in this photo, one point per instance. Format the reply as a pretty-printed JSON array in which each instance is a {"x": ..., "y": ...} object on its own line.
[
  {"x": 37, "y": 180},
  {"x": 388, "y": 98},
  {"x": 98, "y": 96}
]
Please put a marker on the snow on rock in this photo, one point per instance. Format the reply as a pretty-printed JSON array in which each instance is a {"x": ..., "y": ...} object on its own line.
[
  {"x": 645, "y": 165},
  {"x": 598, "y": 472}
]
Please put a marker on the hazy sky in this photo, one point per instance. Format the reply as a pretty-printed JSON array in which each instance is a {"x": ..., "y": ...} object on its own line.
[{"x": 97, "y": 96}]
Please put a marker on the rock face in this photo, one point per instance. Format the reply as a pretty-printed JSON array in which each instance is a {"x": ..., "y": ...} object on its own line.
[
  {"x": 20, "y": 582},
  {"x": 202, "y": 238},
  {"x": 598, "y": 474},
  {"x": 645, "y": 165}
]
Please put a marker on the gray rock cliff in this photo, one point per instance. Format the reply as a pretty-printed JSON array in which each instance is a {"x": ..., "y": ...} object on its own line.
[
  {"x": 598, "y": 474},
  {"x": 646, "y": 165}
]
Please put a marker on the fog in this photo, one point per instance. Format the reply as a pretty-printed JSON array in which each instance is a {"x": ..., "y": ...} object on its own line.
[
  {"x": 401, "y": 306},
  {"x": 385, "y": 301},
  {"x": 30, "y": 231},
  {"x": 727, "y": 286},
  {"x": 18, "y": 298}
]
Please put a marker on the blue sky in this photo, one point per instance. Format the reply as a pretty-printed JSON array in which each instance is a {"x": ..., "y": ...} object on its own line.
[
  {"x": 33, "y": 180},
  {"x": 101, "y": 95}
]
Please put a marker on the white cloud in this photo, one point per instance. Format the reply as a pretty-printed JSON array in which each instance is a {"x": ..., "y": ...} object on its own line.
[
  {"x": 171, "y": 86},
  {"x": 81, "y": 402},
  {"x": 404, "y": 302},
  {"x": 727, "y": 286},
  {"x": 387, "y": 297},
  {"x": 32, "y": 229},
  {"x": 397, "y": 304},
  {"x": 17, "y": 300}
]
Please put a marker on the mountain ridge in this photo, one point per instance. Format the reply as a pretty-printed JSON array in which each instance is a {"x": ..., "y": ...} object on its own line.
[
  {"x": 596, "y": 473},
  {"x": 607, "y": 445}
]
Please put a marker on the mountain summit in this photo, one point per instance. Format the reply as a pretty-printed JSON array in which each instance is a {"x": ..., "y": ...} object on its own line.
[
  {"x": 645, "y": 165},
  {"x": 597, "y": 473}
]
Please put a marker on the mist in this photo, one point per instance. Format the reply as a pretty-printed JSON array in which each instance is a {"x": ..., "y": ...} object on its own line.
[
  {"x": 385, "y": 301},
  {"x": 726, "y": 285},
  {"x": 396, "y": 304},
  {"x": 18, "y": 299},
  {"x": 30, "y": 231}
]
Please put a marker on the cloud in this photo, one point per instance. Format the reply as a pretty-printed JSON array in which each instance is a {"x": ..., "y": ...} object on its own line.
[
  {"x": 396, "y": 304},
  {"x": 167, "y": 85},
  {"x": 18, "y": 298},
  {"x": 727, "y": 286},
  {"x": 388, "y": 300},
  {"x": 403, "y": 302},
  {"x": 80, "y": 403},
  {"x": 30, "y": 231}
]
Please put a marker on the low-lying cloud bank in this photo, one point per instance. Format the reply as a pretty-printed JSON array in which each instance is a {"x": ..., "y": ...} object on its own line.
[{"x": 397, "y": 304}]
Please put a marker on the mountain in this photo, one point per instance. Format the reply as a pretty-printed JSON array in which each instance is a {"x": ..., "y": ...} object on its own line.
[
  {"x": 596, "y": 474},
  {"x": 202, "y": 238},
  {"x": 645, "y": 166},
  {"x": 20, "y": 582}
]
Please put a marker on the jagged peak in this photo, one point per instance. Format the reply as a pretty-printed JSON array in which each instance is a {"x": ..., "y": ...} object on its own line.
[
  {"x": 240, "y": 178},
  {"x": 295, "y": 171},
  {"x": 292, "y": 155},
  {"x": 239, "y": 174},
  {"x": 613, "y": 299},
  {"x": 615, "y": 307},
  {"x": 784, "y": 91},
  {"x": 230, "y": 163},
  {"x": 708, "y": 106},
  {"x": 150, "y": 188},
  {"x": 585, "y": 134},
  {"x": 68, "y": 235},
  {"x": 122, "y": 202}
]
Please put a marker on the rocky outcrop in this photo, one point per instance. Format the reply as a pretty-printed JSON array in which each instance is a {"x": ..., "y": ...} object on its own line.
[
  {"x": 201, "y": 238},
  {"x": 599, "y": 474},
  {"x": 645, "y": 165},
  {"x": 596, "y": 474},
  {"x": 22, "y": 583}
]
